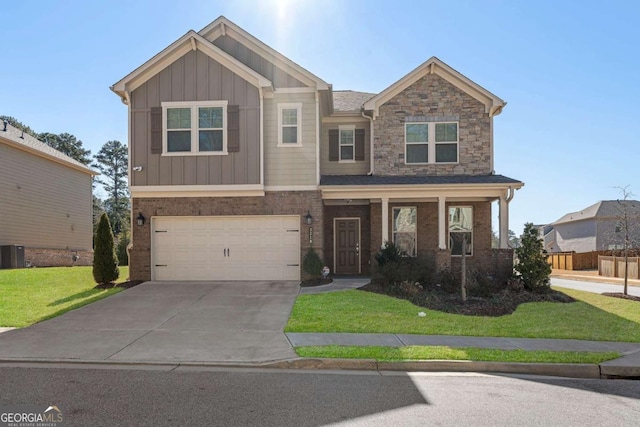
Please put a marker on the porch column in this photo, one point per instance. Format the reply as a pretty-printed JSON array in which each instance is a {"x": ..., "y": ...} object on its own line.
[
  {"x": 442, "y": 223},
  {"x": 504, "y": 223},
  {"x": 385, "y": 220}
]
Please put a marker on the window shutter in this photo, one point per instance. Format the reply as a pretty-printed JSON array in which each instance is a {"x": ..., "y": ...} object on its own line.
[
  {"x": 359, "y": 144},
  {"x": 334, "y": 145},
  {"x": 233, "y": 128},
  {"x": 156, "y": 130}
]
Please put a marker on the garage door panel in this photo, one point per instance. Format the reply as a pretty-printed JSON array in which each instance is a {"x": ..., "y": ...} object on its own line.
[{"x": 226, "y": 248}]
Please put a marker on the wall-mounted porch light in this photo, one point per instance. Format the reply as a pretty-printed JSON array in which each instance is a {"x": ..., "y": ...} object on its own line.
[
  {"x": 140, "y": 219},
  {"x": 309, "y": 218}
]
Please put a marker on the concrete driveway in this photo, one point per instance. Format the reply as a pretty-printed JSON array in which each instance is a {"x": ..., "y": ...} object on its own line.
[{"x": 167, "y": 322}]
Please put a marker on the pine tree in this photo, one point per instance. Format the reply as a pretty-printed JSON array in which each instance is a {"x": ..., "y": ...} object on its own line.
[
  {"x": 112, "y": 162},
  {"x": 105, "y": 262},
  {"x": 532, "y": 262}
]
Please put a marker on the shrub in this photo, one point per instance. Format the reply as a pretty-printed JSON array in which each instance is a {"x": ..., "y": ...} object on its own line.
[
  {"x": 389, "y": 253},
  {"x": 121, "y": 249},
  {"x": 312, "y": 264},
  {"x": 105, "y": 263},
  {"x": 532, "y": 266},
  {"x": 405, "y": 270}
]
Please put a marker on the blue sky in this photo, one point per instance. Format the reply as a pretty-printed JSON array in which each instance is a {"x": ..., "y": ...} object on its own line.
[{"x": 567, "y": 69}]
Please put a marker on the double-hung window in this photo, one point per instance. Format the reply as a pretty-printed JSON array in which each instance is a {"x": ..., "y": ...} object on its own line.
[
  {"x": 191, "y": 128},
  {"x": 290, "y": 125},
  {"x": 460, "y": 229},
  {"x": 432, "y": 142},
  {"x": 405, "y": 227},
  {"x": 347, "y": 143}
]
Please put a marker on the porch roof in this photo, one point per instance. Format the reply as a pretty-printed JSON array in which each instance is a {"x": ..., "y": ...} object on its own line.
[{"x": 367, "y": 180}]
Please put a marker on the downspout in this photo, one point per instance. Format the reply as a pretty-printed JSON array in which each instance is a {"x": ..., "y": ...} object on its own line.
[
  {"x": 510, "y": 195},
  {"x": 370, "y": 141},
  {"x": 317, "y": 137},
  {"x": 261, "y": 94}
]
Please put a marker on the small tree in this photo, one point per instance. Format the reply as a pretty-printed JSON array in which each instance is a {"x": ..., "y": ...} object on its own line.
[
  {"x": 312, "y": 264},
  {"x": 105, "y": 262},
  {"x": 532, "y": 262}
]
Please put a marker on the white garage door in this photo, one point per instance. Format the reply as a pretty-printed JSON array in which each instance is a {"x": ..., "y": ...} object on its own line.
[{"x": 225, "y": 248}]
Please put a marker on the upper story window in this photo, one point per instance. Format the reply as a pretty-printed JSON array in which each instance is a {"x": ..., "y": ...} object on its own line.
[
  {"x": 290, "y": 125},
  {"x": 428, "y": 143},
  {"x": 194, "y": 128},
  {"x": 405, "y": 225},
  {"x": 460, "y": 229},
  {"x": 347, "y": 143}
]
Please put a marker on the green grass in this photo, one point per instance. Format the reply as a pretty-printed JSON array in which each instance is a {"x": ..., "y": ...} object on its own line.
[
  {"x": 392, "y": 354},
  {"x": 31, "y": 295},
  {"x": 593, "y": 317}
]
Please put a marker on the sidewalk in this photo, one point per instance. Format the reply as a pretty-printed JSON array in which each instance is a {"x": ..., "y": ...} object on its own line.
[{"x": 591, "y": 276}]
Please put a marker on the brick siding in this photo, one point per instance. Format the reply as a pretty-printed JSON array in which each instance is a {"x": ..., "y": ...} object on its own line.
[
  {"x": 273, "y": 203},
  {"x": 37, "y": 257}
]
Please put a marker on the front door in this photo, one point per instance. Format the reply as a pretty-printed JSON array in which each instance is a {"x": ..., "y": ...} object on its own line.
[{"x": 347, "y": 245}]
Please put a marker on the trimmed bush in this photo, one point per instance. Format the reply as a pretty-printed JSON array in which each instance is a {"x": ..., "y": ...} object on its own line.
[
  {"x": 105, "y": 263},
  {"x": 389, "y": 253},
  {"x": 532, "y": 266},
  {"x": 312, "y": 264}
]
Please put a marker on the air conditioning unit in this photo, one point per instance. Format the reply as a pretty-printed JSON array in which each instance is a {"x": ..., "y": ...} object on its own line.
[{"x": 12, "y": 256}]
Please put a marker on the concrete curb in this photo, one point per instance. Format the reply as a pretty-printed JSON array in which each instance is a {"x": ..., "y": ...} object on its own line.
[{"x": 584, "y": 371}]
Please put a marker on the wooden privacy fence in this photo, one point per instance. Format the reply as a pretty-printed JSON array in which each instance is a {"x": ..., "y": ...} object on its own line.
[
  {"x": 613, "y": 266},
  {"x": 575, "y": 261}
]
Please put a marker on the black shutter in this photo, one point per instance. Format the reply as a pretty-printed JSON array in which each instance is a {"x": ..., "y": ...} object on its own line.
[
  {"x": 334, "y": 145},
  {"x": 156, "y": 130},
  {"x": 233, "y": 128},
  {"x": 359, "y": 144}
]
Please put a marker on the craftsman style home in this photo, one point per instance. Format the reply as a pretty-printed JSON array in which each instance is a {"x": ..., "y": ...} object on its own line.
[{"x": 241, "y": 160}]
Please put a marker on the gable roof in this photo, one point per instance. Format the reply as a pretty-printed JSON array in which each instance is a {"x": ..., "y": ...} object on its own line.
[
  {"x": 350, "y": 100},
  {"x": 493, "y": 104},
  {"x": 223, "y": 26},
  {"x": 15, "y": 138},
  {"x": 190, "y": 41},
  {"x": 602, "y": 209}
]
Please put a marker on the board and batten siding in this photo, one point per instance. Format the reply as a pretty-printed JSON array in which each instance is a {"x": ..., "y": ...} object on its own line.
[
  {"x": 360, "y": 167},
  {"x": 196, "y": 77},
  {"x": 43, "y": 204},
  {"x": 290, "y": 166},
  {"x": 257, "y": 63}
]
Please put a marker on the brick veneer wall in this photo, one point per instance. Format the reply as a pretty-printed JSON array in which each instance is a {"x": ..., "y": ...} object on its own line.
[
  {"x": 433, "y": 98},
  {"x": 483, "y": 258},
  {"x": 273, "y": 203},
  {"x": 37, "y": 257},
  {"x": 349, "y": 211}
]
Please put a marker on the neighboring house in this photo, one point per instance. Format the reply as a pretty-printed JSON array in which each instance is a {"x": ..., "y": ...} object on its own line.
[
  {"x": 242, "y": 160},
  {"x": 547, "y": 235},
  {"x": 45, "y": 202},
  {"x": 599, "y": 227}
]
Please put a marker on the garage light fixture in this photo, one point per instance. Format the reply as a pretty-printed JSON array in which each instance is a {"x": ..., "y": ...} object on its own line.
[
  {"x": 309, "y": 218},
  {"x": 140, "y": 219}
]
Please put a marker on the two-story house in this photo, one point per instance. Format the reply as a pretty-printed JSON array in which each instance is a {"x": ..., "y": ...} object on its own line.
[{"x": 240, "y": 160}]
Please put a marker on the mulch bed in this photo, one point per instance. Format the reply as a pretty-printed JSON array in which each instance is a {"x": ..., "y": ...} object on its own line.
[
  {"x": 621, "y": 295},
  {"x": 315, "y": 282},
  {"x": 499, "y": 304},
  {"x": 128, "y": 284}
]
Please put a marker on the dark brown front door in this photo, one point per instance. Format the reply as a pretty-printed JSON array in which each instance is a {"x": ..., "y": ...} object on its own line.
[{"x": 347, "y": 240}]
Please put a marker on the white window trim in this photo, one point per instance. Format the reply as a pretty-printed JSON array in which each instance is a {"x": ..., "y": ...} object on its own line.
[
  {"x": 290, "y": 106},
  {"x": 194, "y": 105},
  {"x": 431, "y": 143},
  {"x": 449, "y": 228},
  {"x": 393, "y": 225},
  {"x": 351, "y": 128}
]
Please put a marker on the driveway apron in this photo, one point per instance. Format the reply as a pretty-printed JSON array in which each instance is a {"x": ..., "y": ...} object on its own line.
[{"x": 167, "y": 322}]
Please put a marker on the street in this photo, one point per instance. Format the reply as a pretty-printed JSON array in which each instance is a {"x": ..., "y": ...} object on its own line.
[{"x": 246, "y": 397}]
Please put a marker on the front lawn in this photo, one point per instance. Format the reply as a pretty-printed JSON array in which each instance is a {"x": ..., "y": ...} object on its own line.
[
  {"x": 392, "y": 354},
  {"x": 592, "y": 317},
  {"x": 30, "y": 295}
]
